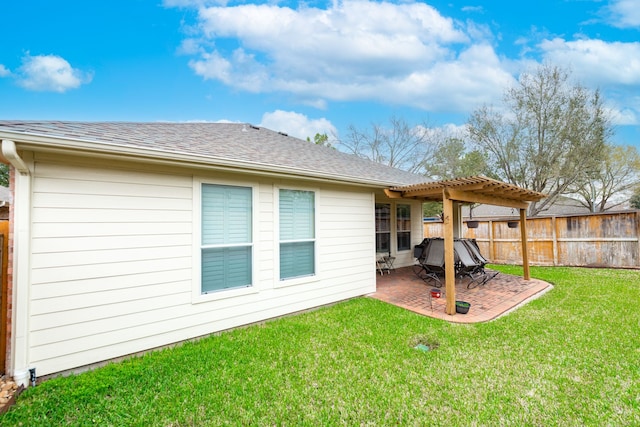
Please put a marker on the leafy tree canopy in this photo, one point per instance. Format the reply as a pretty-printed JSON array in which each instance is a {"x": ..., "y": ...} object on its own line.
[
  {"x": 635, "y": 198},
  {"x": 321, "y": 139},
  {"x": 4, "y": 175}
]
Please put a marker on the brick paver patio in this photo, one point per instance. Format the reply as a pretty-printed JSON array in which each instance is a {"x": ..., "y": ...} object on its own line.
[{"x": 497, "y": 297}]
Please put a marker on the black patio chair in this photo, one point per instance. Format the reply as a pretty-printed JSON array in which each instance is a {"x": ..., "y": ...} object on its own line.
[
  {"x": 430, "y": 257},
  {"x": 475, "y": 251},
  {"x": 466, "y": 265},
  {"x": 420, "y": 251},
  {"x": 481, "y": 273}
]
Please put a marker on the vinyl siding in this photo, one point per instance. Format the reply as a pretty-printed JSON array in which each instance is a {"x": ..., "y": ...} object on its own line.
[
  {"x": 112, "y": 260},
  {"x": 346, "y": 240}
]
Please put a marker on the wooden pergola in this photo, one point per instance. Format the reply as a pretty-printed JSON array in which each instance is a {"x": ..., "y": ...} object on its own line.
[{"x": 475, "y": 189}]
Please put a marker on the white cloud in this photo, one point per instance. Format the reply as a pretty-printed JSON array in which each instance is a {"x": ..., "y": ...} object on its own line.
[
  {"x": 476, "y": 77},
  {"x": 596, "y": 62},
  {"x": 213, "y": 66},
  {"x": 477, "y": 9},
  {"x": 240, "y": 70},
  {"x": 624, "y": 13},
  {"x": 625, "y": 117},
  {"x": 191, "y": 3},
  {"x": 320, "y": 104},
  {"x": 50, "y": 73},
  {"x": 189, "y": 47},
  {"x": 296, "y": 124},
  {"x": 4, "y": 71},
  {"x": 405, "y": 53}
]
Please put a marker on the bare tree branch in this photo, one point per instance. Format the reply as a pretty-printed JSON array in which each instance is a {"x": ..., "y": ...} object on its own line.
[
  {"x": 548, "y": 136},
  {"x": 398, "y": 145}
]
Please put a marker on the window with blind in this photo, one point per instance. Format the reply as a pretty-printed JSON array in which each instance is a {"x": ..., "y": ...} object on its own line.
[
  {"x": 297, "y": 233},
  {"x": 226, "y": 242},
  {"x": 403, "y": 227},
  {"x": 383, "y": 227}
]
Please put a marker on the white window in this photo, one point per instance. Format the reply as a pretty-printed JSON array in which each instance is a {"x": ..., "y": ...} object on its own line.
[
  {"x": 383, "y": 228},
  {"x": 297, "y": 233},
  {"x": 226, "y": 237},
  {"x": 403, "y": 227}
]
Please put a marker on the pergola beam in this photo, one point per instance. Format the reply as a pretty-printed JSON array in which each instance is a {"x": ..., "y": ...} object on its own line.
[
  {"x": 391, "y": 194},
  {"x": 469, "y": 197}
]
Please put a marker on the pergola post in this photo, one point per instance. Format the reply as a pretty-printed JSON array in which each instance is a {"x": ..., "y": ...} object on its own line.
[
  {"x": 523, "y": 239},
  {"x": 449, "y": 259}
]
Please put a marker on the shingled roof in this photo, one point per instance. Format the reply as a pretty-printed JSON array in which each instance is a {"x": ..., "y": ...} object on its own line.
[{"x": 246, "y": 146}]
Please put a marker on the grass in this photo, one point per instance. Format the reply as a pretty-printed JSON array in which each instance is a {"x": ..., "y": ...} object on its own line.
[{"x": 570, "y": 358}]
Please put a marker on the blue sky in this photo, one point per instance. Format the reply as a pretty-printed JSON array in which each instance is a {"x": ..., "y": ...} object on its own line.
[{"x": 307, "y": 67}]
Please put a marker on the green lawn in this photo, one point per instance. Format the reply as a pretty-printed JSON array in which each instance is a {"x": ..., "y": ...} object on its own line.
[{"x": 569, "y": 358}]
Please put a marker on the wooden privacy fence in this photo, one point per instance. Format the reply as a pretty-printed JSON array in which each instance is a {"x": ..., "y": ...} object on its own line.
[{"x": 602, "y": 240}]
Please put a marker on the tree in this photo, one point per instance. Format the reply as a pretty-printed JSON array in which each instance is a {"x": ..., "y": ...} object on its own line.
[
  {"x": 607, "y": 186},
  {"x": 431, "y": 209},
  {"x": 549, "y": 134},
  {"x": 321, "y": 139},
  {"x": 635, "y": 199},
  {"x": 399, "y": 145},
  {"x": 453, "y": 159},
  {"x": 4, "y": 175}
]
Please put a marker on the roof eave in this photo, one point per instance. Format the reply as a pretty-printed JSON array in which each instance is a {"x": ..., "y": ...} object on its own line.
[{"x": 103, "y": 149}]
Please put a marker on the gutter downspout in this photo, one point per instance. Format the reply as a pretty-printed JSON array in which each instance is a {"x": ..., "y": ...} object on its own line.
[
  {"x": 21, "y": 279},
  {"x": 10, "y": 154}
]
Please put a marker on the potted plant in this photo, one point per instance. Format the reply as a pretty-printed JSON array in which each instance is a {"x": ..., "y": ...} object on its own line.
[
  {"x": 472, "y": 223},
  {"x": 462, "y": 307}
]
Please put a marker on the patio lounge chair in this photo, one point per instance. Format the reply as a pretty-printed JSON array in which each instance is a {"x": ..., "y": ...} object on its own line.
[
  {"x": 466, "y": 265},
  {"x": 469, "y": 262},
  {"x": 420, "y": 251},
  {"x": 475, "y": 251},
  {"x": 430, "y": 257},
  {"x": 481, "y": 273}
]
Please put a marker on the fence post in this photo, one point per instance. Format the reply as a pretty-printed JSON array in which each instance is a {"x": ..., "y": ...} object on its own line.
[
  {"x": 554, "y": 242},
  {"x": 492, "y": 252},
  {"x": 525, "y": 246}
]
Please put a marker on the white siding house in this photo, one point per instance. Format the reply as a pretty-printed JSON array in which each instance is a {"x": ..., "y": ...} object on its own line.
[{"x": 128, "y": 237}]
